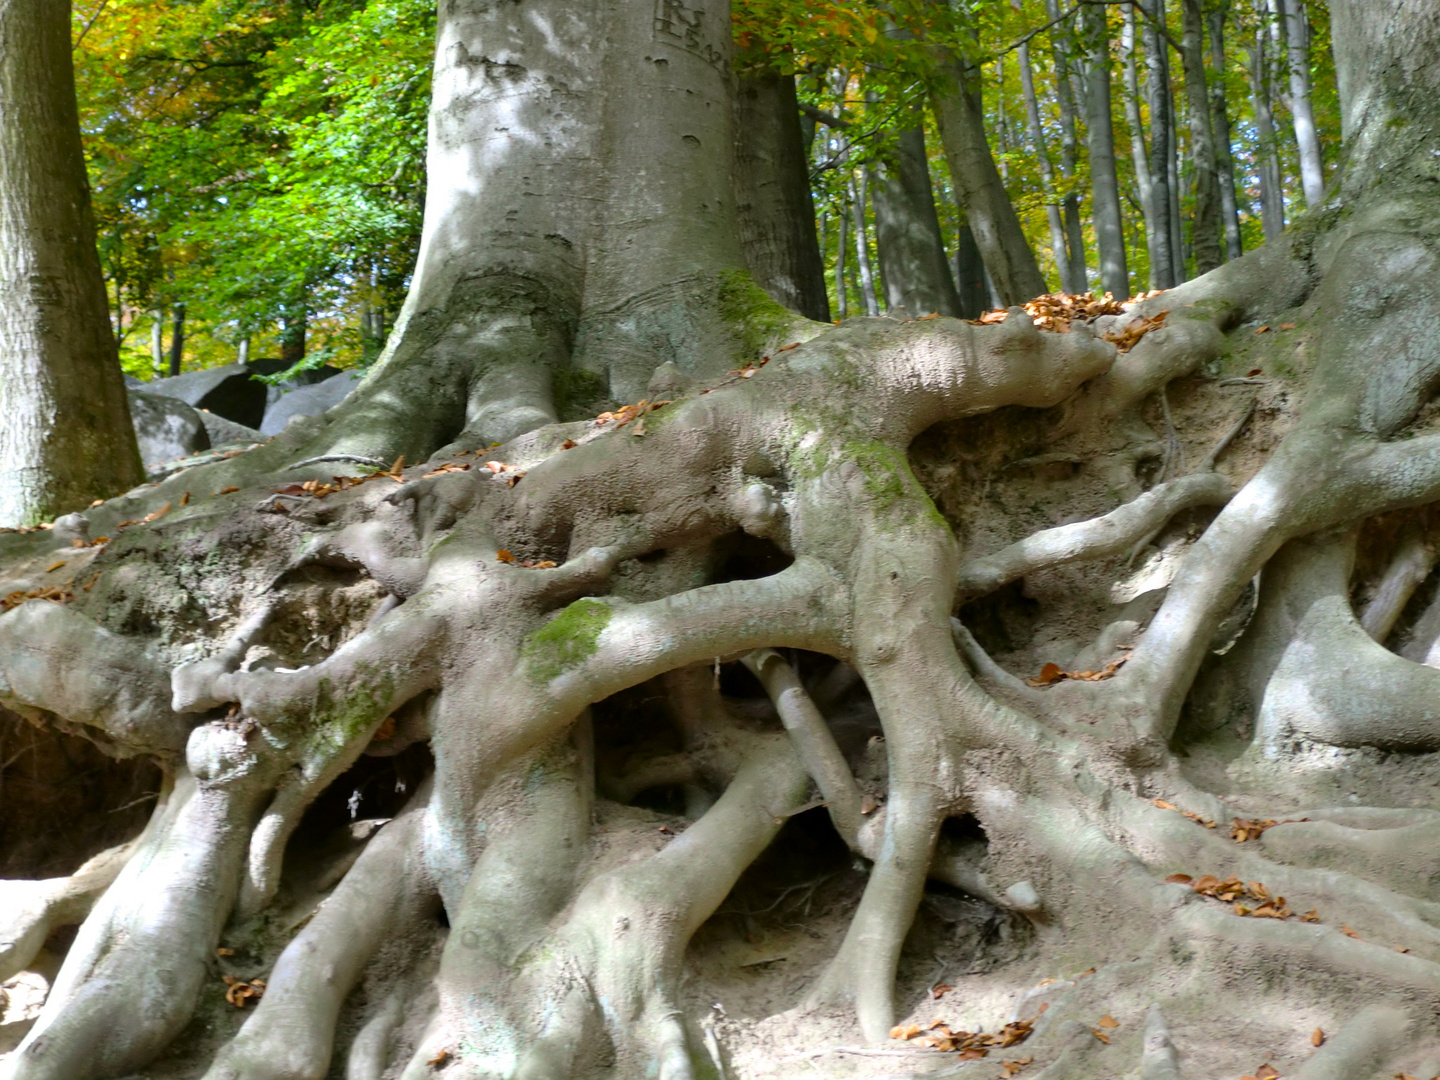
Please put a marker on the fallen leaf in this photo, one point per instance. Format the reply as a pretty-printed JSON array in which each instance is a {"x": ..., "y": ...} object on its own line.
[
  {"x": 1400, "y": 948},
  {"x": 908, "y": 1031},
  {"x": 386, "y": 730},
  {"x": 222, "y": 951},
  {"x": 1163, "y": 805},
  {"x": 1100, "y": 1035},
  {"x": 1266, "y": 1072},
  {"x": 504, "y": 556},
  {"x": 1286, "y": 326},
  {"x": 569, "y": 444},
  {"x": 1179, "y": 879},
  {"x": 1262, "y": 329},
  {"x": 226, "y": 490},
  {"x": 185, "y": 499},
  {"x": 1108, "y": 1021},
  {"x": 1317, "y": 1037},
  {"x": 939, "y": 990},
  {"x": 1350, "y": 933},
  {"x": 868, "y": 805},
  {"x": 439, "y": 1059},
  {"x": 1049, "y": 675},
  {"x": 1253, "y": 372},
  {"x": 56, "y": 565}
]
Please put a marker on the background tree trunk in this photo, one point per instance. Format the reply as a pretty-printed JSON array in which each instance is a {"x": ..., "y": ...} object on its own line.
[
  {"x": 913, "y": 263},
  {"x": 859, "y": 196},
  {"x": 1220, "y": 123},
  {"x": 1100, "y": 138},
  {"x": 978, "y": 187},
  {"x": 1272, "y": 200},
  {"x": 1206, "y": 234},
  {"x": 1302, "y": 111},
  {"x": 1075, "y": 278},
  {"x": 970, "y": 275},
  {"x": 66, "y": 436},
  {"x": 1156, "y": 234},
  {"x": 774, "y": 211},
  {"x": 177, "y": 338},
  {"x": 1054, "y": 216}
]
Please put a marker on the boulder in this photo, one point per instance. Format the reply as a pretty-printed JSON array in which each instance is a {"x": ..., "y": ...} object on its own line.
[
  {"x": 227, "y": 391},
  {"x": 166, "y": 428},
  {"x": 222, "y": 431},
  {"x": 309, "y": 400}
]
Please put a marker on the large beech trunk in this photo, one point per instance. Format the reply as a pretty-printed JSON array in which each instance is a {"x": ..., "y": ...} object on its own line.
[
  {"x": 65, "y": 438},
  {"x": 913, "y": 263},
  {"x": 1013, "y": 614}
]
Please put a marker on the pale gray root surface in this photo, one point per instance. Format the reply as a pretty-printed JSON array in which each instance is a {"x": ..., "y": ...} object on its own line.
[{"x": 718, "y": 741}]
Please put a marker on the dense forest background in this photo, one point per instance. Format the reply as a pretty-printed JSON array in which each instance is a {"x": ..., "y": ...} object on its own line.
[{"x": 258, "y": 165}]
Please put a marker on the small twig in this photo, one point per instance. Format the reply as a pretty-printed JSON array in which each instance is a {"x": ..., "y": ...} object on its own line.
[
  {"x": 1214, "y": 455},
  {"x": 358, "y": 459}
]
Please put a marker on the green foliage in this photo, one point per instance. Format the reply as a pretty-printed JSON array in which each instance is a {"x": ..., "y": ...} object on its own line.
[{"x": 255, "y": 158}]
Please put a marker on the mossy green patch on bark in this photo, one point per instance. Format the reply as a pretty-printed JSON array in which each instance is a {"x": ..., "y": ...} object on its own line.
[{"x": 567, "y": 640}]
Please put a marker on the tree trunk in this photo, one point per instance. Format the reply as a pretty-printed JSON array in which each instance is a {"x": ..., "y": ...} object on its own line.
[
  {"x": 1157, "y": 84},
  {"x": 157, "y": 342},
  {"x": 294, "y": 330},
  {"x": 1206, "y": 221},
  {"x": 978, "y": 187},
  {"x": 773, "y": 207},
  {"x": 970, "y": 275},
  {"x": 842, "y": 300},
  {"x": 177, "y": 338},
  {"x": 1302, "y": 111},
  {"x": 1053, "y": 214},
  {"x": 699, "y": 701},
  {"x": 1272, "y": 199},
  {"x": 1075, "y": 277},
  {"x": 1220, "y": 125},
  {"x": 859, "y": 197},
  {"x": 1100, "y": 139},
  {"x": 66, "y": 436},
  {"x": 913, "y": 263},
  {"x": 1155, "y": 237}
]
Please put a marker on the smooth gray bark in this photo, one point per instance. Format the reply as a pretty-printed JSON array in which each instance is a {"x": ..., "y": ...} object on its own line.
[
  {"x": 979, "y": 189},
  {"x": 1272, "y": 200},
  {"x": 1100, "y": 139},
  {"x": 1206, "y": 222},
  {"x": 66, "y": 436},
  {"x": 859, "y": 197},
  {"x": 1220, "y": 124},
  {"x": 1302, "y": 110},
  {"x": 970, "y": 277},
  {"x": 842, "y": 299},
  {"x": 1075, "y": 277},
  {"x": 1139, "y": 153},
  {"x": 1054, "y": 216},
  {"x": 1157, "y": 86},
  {"x": 773, "y": 206},
  {"x": 913, "y": 264}
]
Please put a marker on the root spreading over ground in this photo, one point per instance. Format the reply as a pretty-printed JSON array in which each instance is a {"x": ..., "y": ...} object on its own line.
[{"x": 1118, "y": 667}]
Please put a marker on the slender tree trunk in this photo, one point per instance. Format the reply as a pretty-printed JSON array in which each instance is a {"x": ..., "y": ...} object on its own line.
[
  {"x": 773, "y": 207},
  {"x": 859, "y": 194},
  {"x": 913, "y": 262},
  {"x": 1100, "y": 139},
  {"x": 970, "y": 275},
  {"x": 65, "y": 437},
  {"x": 978, "y": 187},
  {"x": 1206, "y": 222},
  {"x": 294, "y": 326},
  {"x": 1138, "y": 151},
  {"x": 1074, "y": 278},
  {"x": 177, "y": 338},
  {"x": 1220, "y": 125},
  {"x": 242, "y": 351},
  {"x": 842, "y": 300},
  {"x": 1272, "y": 203},
  {"x": 1307, "y": 140},
  {"x": 1053, "y": 213},
  {"x": 157, "y": 341},
  {"x": 1157, "y": 85}
]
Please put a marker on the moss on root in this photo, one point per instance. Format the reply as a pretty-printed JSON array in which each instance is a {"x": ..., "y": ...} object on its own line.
[{"x": 567, "y": 640}]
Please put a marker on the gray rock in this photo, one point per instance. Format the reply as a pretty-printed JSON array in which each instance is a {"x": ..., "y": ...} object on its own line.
[
  {"x": 309, "y": 400},
  {"x": 227, "y": 391},
  {"x": 223, "y": 431},
  {"x": 166, "y": 428}
]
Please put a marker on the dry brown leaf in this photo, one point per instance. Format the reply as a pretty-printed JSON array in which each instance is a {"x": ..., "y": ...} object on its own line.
[
  {"x": 1108, "y": 1021},
  {"x": 939, "y": 990},
  {"x": 185, "y": 499},
  {"x": 1100, "y": 1035},
  {"x": 1317, "y": 1037},
  {"x": 56, "y": 565},
  {"x": 441, "y": 1056},
  {"x": 1163, "y": 805},
  {"x": 906, "y": 1031},
  {"x": 569, "y": 444},
  {"x": 1350, "y": 933},
  {"x": 223, "y": 951},
  {"x": 1179, "y": 879},
  {"x": 226, "y": 490},
  {"x": 386, "y": 730},
  {"x": 1286, "y": 326},
  {"x": 1049, "y": 675},
  {"x": 504, "y": 556},
  {"x": 1262, "y": 329},
  {"x": 1266, "y": 1072}
]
